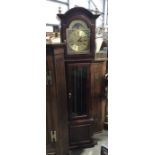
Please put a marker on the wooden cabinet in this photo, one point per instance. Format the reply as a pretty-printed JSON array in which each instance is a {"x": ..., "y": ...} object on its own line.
[{"x": 56, "y": 101}]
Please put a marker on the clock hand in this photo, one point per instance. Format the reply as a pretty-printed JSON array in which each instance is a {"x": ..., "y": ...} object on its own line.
[{"x": 79, "y": 40}]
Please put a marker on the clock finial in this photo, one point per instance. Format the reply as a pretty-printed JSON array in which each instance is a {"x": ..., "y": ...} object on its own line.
[
  {"x": 59, "y": 10},
  {"x": 96, "y": 10}
]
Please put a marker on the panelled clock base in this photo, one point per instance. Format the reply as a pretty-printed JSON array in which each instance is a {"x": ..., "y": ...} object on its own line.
[{"x": 80, "y": 134}]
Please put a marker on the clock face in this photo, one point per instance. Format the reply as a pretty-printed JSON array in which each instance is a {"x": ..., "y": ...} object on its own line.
[{"x": 78, "y": 38}]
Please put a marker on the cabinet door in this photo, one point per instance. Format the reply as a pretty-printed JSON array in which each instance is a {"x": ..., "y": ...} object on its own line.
[{"x": 78, "y": 76}]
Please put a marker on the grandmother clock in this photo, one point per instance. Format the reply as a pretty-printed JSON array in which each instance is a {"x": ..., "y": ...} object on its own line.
[{"x": 78, "y": 32}]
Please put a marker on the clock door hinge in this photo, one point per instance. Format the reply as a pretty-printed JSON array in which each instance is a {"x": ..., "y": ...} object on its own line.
[
  {"x": 53, "y": 136},
  {"x": 49, "y": 78}
]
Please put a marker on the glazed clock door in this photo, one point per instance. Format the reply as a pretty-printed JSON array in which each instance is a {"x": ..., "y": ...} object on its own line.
[
  {"x": 80, "y": 122},
  {"x": 78, "y": 90}
]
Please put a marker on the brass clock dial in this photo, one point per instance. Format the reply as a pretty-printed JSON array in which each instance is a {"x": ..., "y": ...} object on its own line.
[{"x": 78, "y": 38}]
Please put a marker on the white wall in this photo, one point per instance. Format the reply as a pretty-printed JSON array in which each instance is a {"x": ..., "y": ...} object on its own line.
[
  {"x": 82, "y": 3},
  {"x": 51, "y": 11}
]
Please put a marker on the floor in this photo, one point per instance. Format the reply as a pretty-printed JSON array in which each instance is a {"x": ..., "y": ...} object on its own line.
[{"x": 102, "y": 138}]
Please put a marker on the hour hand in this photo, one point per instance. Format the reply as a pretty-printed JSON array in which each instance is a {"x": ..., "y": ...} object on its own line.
[{"x": 79, "y": 40}]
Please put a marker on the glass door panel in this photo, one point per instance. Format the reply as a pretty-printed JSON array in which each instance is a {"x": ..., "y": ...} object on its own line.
[{"x": 78, "y": 93}]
